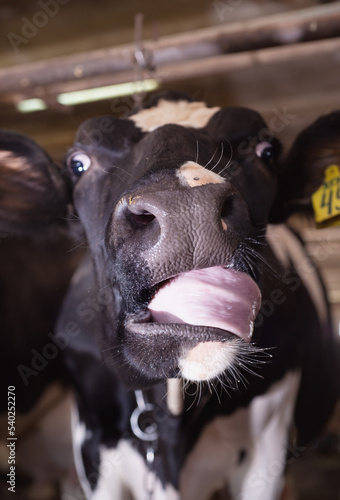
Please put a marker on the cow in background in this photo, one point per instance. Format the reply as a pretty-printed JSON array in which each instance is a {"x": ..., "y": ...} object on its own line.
[{"x": 37, "y": 263}]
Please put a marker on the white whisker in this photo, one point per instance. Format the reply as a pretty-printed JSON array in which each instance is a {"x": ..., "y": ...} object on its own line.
[
  {"x": 196, "y": 161},
  {"x": 220, "y": 158},
  {"x": 229, "y": 161},
  {"x": 211, "y": 159}
]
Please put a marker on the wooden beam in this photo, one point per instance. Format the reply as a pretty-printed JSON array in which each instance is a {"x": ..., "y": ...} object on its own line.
[
  {"x": 193, "y": 69},
  {"x": 205, "y": 47},
  {"x": 231, "y": 62}
]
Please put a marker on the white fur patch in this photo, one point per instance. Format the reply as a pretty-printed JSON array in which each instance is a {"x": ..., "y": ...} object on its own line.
[
  {"x": 78, "y": 438},
  {"x": 260, "y": 431},
  {"x": 184, "y": 113},
  {"x": 271, "y": 416},
  {"x": 123, "y": 475},
  {"x": 207, "y": 360},
  {"x": 192, "y": 174}
]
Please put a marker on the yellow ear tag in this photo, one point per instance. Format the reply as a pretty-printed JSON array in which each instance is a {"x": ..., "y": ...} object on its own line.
[{"x": 326, "y": 200}]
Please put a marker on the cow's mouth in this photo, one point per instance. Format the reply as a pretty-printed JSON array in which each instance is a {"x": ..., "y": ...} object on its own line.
[
  {"x": 214, "y": 305},
  {"x": 216, "y": 297}
]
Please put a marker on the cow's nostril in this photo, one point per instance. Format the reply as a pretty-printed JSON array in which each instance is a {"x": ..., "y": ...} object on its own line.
[
  {"x": 141, "y": 219},
  {"x": 226, "y": 209}
]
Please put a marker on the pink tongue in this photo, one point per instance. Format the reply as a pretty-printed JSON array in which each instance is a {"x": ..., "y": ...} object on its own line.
[{"x": 217, "y": 297}]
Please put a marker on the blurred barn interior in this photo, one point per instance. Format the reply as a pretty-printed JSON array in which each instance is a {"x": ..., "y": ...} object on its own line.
[{"x": 281, "y": 58}]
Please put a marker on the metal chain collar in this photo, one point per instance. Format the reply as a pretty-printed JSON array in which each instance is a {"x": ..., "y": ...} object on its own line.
[{"x": 146, "y": 430}]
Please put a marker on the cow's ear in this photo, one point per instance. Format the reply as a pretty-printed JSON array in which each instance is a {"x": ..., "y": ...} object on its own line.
[
  {"x": 302, "y": 170},
  {"x": 33, "y": 192}
]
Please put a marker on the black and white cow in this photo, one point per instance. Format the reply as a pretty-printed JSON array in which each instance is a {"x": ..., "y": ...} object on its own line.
[
  {"x": 175, "y": 201},
  {"x": 212, "y": 323}
]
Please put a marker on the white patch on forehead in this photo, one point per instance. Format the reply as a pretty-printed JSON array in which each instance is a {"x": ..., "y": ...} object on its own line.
[
  {"x": 192, "y": 174},
  {"x": 184, "y": 113},
  {"x": 207, "y": 360}
]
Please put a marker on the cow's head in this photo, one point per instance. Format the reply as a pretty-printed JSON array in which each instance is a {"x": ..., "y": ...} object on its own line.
[{"x": 175, "y": 201}]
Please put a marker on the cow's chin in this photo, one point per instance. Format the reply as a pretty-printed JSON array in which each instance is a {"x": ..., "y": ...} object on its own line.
[
  {"x": 166, "y": 350},
  {"x": 208, "y": 360}
]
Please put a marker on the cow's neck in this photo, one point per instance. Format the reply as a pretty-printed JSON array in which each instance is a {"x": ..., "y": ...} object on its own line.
[{"x": 146, "y": 428}]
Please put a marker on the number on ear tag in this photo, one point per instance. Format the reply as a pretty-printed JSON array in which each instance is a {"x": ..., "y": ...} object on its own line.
[{"x": 326, "y": 200}]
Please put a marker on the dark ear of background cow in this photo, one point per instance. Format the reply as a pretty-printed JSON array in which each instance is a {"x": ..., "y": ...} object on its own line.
[
  {"x": 35, "y": 268},
  {"x": 33, "y": 193},
  {"x": 302, "y": 170}
]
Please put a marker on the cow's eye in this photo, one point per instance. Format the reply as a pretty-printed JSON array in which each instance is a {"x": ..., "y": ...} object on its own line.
[
  {"x": 79, "y": 163},
  {"x": 265, "y": 151}
]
